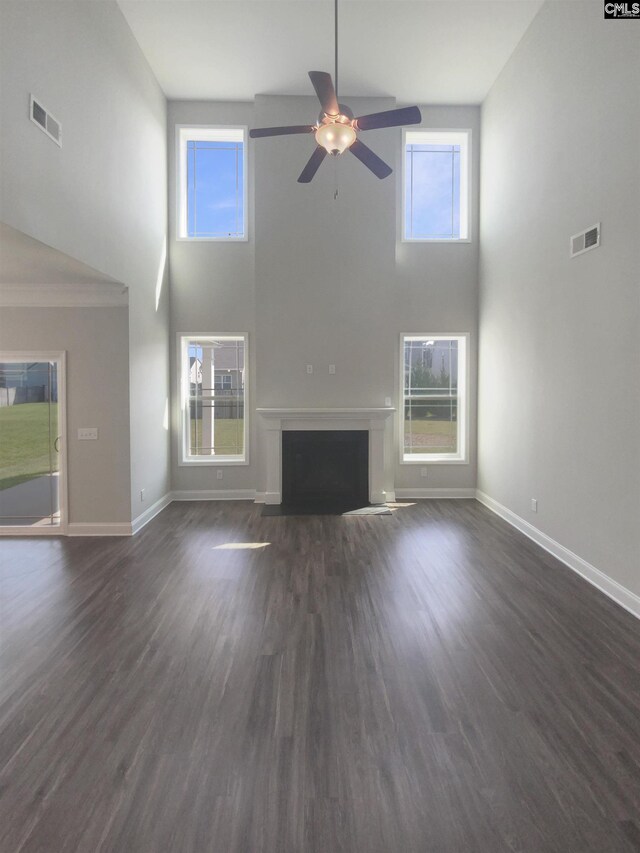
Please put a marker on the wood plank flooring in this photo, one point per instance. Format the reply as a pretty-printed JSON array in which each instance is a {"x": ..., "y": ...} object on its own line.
[{"x": 425, "y": 681}]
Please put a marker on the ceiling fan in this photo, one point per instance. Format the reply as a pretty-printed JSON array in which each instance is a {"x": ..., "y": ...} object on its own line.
[{"x": 336, "y": 130}]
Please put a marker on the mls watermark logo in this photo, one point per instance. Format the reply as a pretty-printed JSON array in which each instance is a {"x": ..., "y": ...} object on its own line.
[{"x": 621, "y": 11}]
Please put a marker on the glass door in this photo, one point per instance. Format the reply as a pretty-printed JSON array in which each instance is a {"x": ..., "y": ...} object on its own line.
[{"x": 30, "y": 443}]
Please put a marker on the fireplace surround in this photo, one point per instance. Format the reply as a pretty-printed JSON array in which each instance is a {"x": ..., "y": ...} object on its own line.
[{"x": 275, "y": 421}]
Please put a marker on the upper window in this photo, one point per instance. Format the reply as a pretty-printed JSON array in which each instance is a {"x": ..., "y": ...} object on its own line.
[
  {"x": 213, "y": 381},
  {"x": 436, "y": 185},
  {"x": 434, "y": 398},
  {"x": 212, "y": 183}
]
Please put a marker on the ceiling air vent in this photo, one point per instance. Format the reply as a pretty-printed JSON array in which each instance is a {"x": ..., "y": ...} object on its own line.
[
  {"x": 585, "y": 240},
  {"x": 45, "y": 121}
]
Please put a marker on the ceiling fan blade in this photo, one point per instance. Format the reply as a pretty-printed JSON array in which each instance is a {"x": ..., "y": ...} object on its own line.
[
  {"x": 323, "y": 84},
  {"x": 257, "y": 132},
  {"x": 389, "y": 118},
  {"x": 312, "y": 166},
  {"x": 370, "y": 159}
]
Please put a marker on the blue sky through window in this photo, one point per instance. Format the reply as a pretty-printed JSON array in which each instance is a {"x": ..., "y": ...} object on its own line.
[
  {"x": 215, "y": 189},
  {"x": 432, "y": 197}
]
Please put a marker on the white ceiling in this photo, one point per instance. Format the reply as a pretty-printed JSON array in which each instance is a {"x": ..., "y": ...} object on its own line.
[{"x": 418, "y": 51}]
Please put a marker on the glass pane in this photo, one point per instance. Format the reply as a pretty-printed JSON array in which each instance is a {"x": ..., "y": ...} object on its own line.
[
  {"x": 433, "y": 191},
  {"x": 216, "y": 402},
  {"x": 29, "y": 461},
  {"x": 431, "y": 396},
  {"x": 215, "y": 189}
]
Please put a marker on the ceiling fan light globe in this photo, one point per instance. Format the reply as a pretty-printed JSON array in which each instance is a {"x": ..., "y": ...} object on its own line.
[{"x": 335, "y": 137}]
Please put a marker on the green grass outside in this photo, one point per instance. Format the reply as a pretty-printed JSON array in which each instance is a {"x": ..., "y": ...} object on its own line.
[
  {"x": 228, "y": 435},
  {"x": 24, "y": 442},
  {"x": 430, "y": 436}
]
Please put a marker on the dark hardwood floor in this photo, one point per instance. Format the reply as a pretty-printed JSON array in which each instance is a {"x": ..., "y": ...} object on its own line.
[{"x": 425, "y": 681}]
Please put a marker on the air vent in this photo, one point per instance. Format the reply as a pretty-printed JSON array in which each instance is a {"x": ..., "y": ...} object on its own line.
[
  {"x": 45, "y": 121},
  {"x": 585, "y": 240}
]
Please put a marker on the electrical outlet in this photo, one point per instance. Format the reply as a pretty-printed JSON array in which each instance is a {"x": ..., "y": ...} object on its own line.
[
  {"x": 142, "y": 494},
  {"x": 88, "y": 434},
  {"x": 332, "y": 368},
  {"x": 309, "y": 368},
  {"x": 219, "y": 474},
  {"x": 387, "y": 402},
  {"x": 423, "y": 472},
  {"x": 534, "y": 505}
]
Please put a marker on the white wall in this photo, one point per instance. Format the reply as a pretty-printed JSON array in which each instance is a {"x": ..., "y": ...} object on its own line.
[
  {"x": 559, "y": 414},
  {"x": 101, "y": 198},
  {"x": 321, "y": 280}
]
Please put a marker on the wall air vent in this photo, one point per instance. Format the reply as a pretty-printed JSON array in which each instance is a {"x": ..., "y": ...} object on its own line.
[
  {"x": 585, "y": 240},
  {"x": 45, "y": 121}
]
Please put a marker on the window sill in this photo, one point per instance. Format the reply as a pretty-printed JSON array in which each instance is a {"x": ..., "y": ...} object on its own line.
[
  {"x": 433, "y": 459},
  {"x": 212, "y": 461},
  {"x": 435, "y": 240},
  {"x": 244, "y": 239}
]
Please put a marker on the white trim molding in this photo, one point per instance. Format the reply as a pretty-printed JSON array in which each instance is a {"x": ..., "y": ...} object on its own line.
[
  {"x": 209, "y": 133},
  {"x": 59, "y": 357},
  {"x": 596, "y": 577},
  {"x": 441, "y": 136},
  {"x": 461, "y": 457},
  {"x": 82, "y": 295},
  {"x": 91, "y": 528},
  {"x": 214, "y": 495},
  {"x": 275, "y": 420},
  {"x": 145, "y": 517},
  {"x": 184, "y": 397},
  {"x": 417, "y": 494},
  {"x": 26, "y": 530}
]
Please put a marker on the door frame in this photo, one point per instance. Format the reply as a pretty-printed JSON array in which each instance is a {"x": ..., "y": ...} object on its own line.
[{"x": 60, "y": 358}]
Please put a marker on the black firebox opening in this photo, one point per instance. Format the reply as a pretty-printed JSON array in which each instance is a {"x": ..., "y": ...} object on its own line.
[{"x": 325, "y": 468}]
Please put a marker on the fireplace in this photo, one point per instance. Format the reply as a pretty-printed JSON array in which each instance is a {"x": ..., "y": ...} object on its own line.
[
  {"x": 277, "y": 422},
  {"x": 325, "y": 467}
]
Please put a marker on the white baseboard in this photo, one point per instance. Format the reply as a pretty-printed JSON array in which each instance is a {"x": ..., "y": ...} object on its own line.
[
  {"x": 611, "y": 588},
  {"x": 34, "y": 530},
  {"x": 145, "y": 517},
  {"x": 214, "y": 495},
  {"x": 434, "y": 493},
  {"x": 90, "y": 528}
]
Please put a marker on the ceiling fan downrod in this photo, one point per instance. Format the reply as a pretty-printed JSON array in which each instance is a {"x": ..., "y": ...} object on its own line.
[
  {"x": 335, "y": 27},
  {"x": 337, "y": 130}
]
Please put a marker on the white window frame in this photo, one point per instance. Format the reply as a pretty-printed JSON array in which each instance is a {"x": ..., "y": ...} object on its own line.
[
  {"x": 436, "y": 136},
  {"x": 461, "y": 457},
  {"x": 184, "y": 459},
  {"x": 60, "y": 358},
  {"x": 207, "y": 133}
]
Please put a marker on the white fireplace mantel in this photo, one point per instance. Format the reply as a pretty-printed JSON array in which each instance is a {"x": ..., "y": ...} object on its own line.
[{"x": 275, "y": 420}]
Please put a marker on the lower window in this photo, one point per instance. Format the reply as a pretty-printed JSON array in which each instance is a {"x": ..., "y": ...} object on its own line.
[
  {"x": 214, "y": 388},
  {"x": 434, "y": 398}
]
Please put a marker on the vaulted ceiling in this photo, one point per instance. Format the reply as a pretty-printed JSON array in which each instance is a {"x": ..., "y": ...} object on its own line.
[{"x": 423, "y": 51}]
